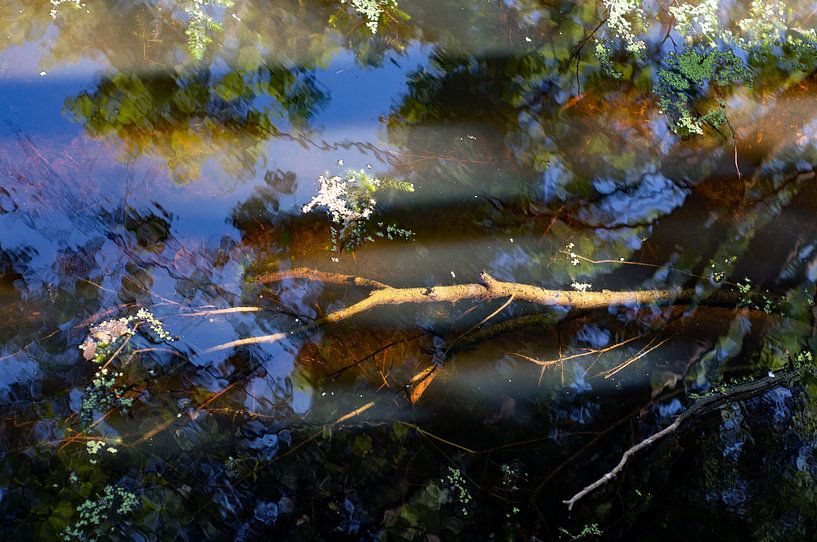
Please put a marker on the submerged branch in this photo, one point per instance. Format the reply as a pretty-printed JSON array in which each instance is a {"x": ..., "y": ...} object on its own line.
[
  {"x": 319, "y": 276},
  {"x": 698, "y": 408}
]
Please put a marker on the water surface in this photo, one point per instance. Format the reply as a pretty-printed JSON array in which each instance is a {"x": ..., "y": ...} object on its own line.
[{"x": 135, "y": 176}]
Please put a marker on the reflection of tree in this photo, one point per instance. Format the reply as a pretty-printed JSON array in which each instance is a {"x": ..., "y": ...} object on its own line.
[
  {"x": 149, "y": 34},
  {"x": 190, "y": 118},
  {"x": 158, "y": 106},
  {"x": 12, "y": 269},
  {"x": 130, "y": 35}
]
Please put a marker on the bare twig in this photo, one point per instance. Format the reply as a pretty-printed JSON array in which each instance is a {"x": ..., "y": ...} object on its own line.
[
  {"x": 214, "y": 312},
  {"x": 698, "y": 408},
  {"x": 646, "y": 350},
  {"x": 589, "y": 352}
]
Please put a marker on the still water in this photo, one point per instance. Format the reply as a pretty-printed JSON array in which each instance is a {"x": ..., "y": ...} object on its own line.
[{"x": 157, "y": 165}]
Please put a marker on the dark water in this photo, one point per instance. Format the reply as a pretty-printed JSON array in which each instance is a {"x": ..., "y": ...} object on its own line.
[{"x": 135, "y": 176}]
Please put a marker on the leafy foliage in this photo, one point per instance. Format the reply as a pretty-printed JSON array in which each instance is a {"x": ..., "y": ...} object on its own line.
[{"x": 202, "y": 24}]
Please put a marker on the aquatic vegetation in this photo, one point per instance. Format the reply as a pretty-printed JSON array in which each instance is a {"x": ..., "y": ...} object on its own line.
[
  {"x": 96, "y": 516},
  {"x": 684, "y": 78},
  {"x": 603, "y": 55},
  {"x": 103, "y": 343},
  {"x": 719, "y": 271},
  {"x": 587, "y": 532},
  {"x": 350, "y": 203},
  {"x": 804, "y": 361},
  {"x": 458, "y": 491}
]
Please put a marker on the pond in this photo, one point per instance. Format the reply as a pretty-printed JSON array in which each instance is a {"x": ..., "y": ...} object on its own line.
[{"x": 414, "y": 270}]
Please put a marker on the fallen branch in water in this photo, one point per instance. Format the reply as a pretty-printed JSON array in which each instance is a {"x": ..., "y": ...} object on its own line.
[
  {"x": 698, "y": 408},
  {"x": 486, "y": 290},
  {"x": 335, "y": 374}
]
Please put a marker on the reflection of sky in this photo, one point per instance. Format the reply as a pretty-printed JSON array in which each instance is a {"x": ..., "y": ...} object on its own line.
[
  {"x": 655, "y": 196},
  {"x": 70, "y": 178},
  {"x": 593, "y": 335},
  {"x": 359, "y": 97}
]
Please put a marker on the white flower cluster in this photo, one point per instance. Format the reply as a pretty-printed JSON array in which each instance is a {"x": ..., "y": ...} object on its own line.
[
  {"x": 349, "y": 201},
  {"x": 337, "y": 196},
  {"x": 766, "y": 24},
  {"x": 58, "y": 3},
  {"x": 574, "y": 258},
  {"x": 701, "y": 18},
  {"x": 581, "y": 286},
  {"x": 620, "y": 17},
  {"x": 95, "y": 446},
  {"x": 371, "y": 10}
]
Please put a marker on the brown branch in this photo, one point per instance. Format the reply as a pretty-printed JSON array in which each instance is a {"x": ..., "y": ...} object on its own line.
[
  {"x": 420, "y": 382},
  {"x": 698, "y": 408},
  {"x": 488, "y": 289}
]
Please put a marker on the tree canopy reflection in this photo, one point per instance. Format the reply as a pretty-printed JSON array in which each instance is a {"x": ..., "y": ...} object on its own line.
[{"x": 538, "y": 159}]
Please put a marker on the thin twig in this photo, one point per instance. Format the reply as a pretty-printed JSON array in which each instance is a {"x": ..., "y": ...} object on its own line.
[
  {"x": 643, "y": 352},
  {"x": 698, "y": 408}
]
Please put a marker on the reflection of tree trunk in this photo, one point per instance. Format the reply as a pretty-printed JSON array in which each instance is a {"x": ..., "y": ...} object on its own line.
[
  {"x": 319, "y": 276},
  {"x": 486, "y": 290}
]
